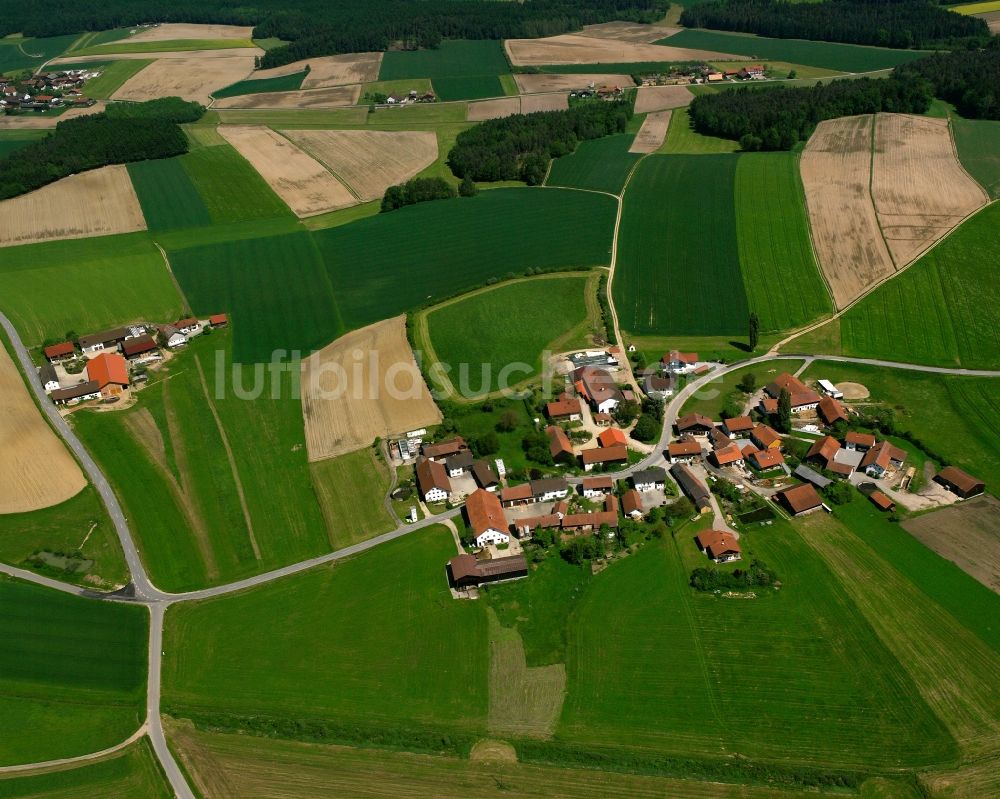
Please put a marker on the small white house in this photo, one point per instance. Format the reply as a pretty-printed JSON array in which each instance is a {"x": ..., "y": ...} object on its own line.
[
  {"x": 177, "y": 339},
  {"x": 831, "y": 389},
  {"x": 47, "y": 376},
  {"x": 492, "y": 537},
  {"x": 435, "y": 494},
  {"x": 650, "y": 479}
]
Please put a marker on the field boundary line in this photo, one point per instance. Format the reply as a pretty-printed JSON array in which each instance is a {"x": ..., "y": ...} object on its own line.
[
  {"x": 325, "y": 166},
  {"x": 67, "y": 763},
  {"x": 185, "y": 305}
]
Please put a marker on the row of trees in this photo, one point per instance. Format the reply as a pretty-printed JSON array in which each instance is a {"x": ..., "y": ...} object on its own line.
[
  {"x": 123, "y": 134},
  {"x": 900, "y": 24},
  {"x": 417, "y": 190},
  {"x": 969, "y": 79},
  {"x": 712, "y": 579},
  {"x": 520, "y": 147}
]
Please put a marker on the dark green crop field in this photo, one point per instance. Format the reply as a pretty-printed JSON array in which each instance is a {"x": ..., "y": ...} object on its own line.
[
  {"x": 598, "y": 165},
  {"x": 978, "y": 145},
  {"x": 230, "y": 188},
  {"x": 678, "y": 268},
  {"x": 459, "y": 69},
  {"x": 168, "y": 198},
  {"x": 19, "y": 53},
  {"x": 282, "y": 83}
]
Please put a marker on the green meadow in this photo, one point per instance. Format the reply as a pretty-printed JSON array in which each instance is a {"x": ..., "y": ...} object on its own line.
[
  {"x": 166, "y": 46},
  {"x": 168, "y": 198},
  {"x": 683, "y": 139},
  {"x": 597, "y": 165},
  {"x": 72, "y": 673},
  {"x": 17, "y": 52},
  {"x": 459, "y": 69},
  {"x": 113, "y": 75},
  {"x": 230, "y": 188},
  {"x": 976, "y": 142},
  {"x": 351, "y": 491}
]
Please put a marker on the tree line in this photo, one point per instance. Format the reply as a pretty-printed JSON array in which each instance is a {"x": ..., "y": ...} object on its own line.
[
  {"x": 969, "y": 79},
  {"x": 520, "y": 147},
  {"x": 899, "y": 24},
  {"x": 122, "y": 134}
]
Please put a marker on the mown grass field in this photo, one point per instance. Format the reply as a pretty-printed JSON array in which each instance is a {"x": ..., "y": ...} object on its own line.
[
  {"x": 230, "y": 188},
  {"x": 168, "y": 198},
  {"x": 783, "y": 283},
  {"x": 513, "y": 323},
  {"x": 830, "y": 55},
  {"x": 282, "y": 83},
  {"x": 944, "y": 310},
  {"x": 460, "y": 69},
  {"x": 84, "y": 285},
  {"x": 976, "y": 142},
  {"x": 678, "y": 268},
  {"x": 132, "y": 774},
  {"x": 598, "y": 165},
  {"x": 374, "y": 646},
  {"x": 797, "y": 676},
  {"x": 18, "y": 52},
  {"x": 683, "y": 139},
  {"x": 351, "y": 490},
  {"x": 72, "y": 673}
]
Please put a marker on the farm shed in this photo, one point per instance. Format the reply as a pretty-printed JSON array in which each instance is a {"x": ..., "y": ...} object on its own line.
[
  {"x": 803, "y": 472},
  {"x": 694, "y": 488},
  {"x": 959, "y": 482},
  {"x": 800, "y": 500},
  {"x": 465, "y": 571}
]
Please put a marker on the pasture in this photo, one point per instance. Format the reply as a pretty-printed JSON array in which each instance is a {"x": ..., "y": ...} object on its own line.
[
  {"x": 372, "y": 639},
  {"x": 351, "y": 491},
  {"x": 669, "y": 255},
  {"x": 944, "y": 310},
  {"x": 829, "y": 55},
  {"x": 975, "y": 140},
  {"x": 168, "y": 198},
  {"x": 460, "y": 69},
  {"x": 72, "y": 673},
  {"x": 280, "y": 83},
  {"x": 783, "y": 283},
  {"x": 50, "y": 288},
  {"x": 597, "y": 165},
  {"x": 515, "y": 323},
  {"x": 683, "y": 139}
]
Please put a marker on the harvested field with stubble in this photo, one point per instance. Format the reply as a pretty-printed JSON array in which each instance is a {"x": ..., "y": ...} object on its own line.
[
  {"x": 341, "y": 415},
  {"x": 661, "y": 98},
  {"x": 628, "y": 32},
  {"x": 189, "y": 76},
  {"x": 330, "y": 70},
  {"x": 369, "y": 161},
  {"x": 508, "y": 106},
  {"x": 301, "y": 181},
  {"x": 36, "y": 470},
  {"x": 543, "y": 82},
  {"x": 331, "y": 97},
  {"x": 175, "y": 31},
  {"x": 967, "y": 534},
  {"x": 920, "y": 190},
  {"x": 95, "y": 203},
  {"x": 836, "y": 170},
  {"x": 571, "y": 48},
  {"x": 650, "y": 137}
]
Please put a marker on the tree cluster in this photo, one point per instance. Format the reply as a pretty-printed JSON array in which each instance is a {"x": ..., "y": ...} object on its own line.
[
  {"x": 900, "y": 23},
  {"x": 417, "y": 190},
  {"x": 968, "y": 78},
  {"x": 520, "y": 147},
  {"x": 776, "y": 117},
  {"x": 712, "y": 579}
]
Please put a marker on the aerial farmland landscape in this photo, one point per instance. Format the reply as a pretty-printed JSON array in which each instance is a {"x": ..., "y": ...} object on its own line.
[{"x": 461, "y": 398}]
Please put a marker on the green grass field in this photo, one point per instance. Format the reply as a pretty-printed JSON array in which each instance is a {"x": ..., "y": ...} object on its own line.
[
  {"x": 678, "y": 268},
  {"x": 282, "y": 83},
  {"x": 50, "y": 288},
  {"x": 683, "y": 139},
  {"x": 351, "y": 489},
  {"x": 514, "y": 323},
  {"x": 132, "y": 774},
  {"x": 944, "y": 310},
  {"x": 711, "y": 399},
  {"x": 976, "y": 141},
  {"x": 13, "y": 140},
  {"x": 598, "y": 165},
  {"x": 168, "y": 198},
  {"x": 17, "y": 53},
  {"x": 113, "y": 75},
  {"x": 72, "y": 673},
  {"x": 782, "y": 280},
  {"x": 367, "y": 652},
  {"x": 830, "y": 55},
  {"x": 167, "y": 46},
  {"x": 460, "y": 69}
]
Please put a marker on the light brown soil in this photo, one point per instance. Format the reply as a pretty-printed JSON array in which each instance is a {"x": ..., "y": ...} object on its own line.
[
  {"x": 853, "y": 391},
  {"x": 920, "y": 189},
  {"x": 628, "y": 32},
  {"x": 836, "y": 168},
  {"x": 200, "y": 55},
  {"x": 992, "y": 19},
  {"x": 571, "y": 48},
  {"x": 488, "y": 751},
  {"x": 29, "y": 121},
  {"x": 334, "y": 97},
  {"x": 362, "y": 386},
  {"x": 967, "y": 534},
  {"x": 543, "y": 82},
  {"x": 660, "y": 98},
  {"x": 301, "y": 181},
  {"x": 36, "y": 470},
  {"x": 95, "y": 203},
  {"x": 650, "y": 137},
  {"x": 170, "y": 31},
  {"x": 330, "y": 70},
  {"x": 544, "y": 102},
  {"x": 189, "y": 76},
  {"x": 369, "y": 161},
  {"x": 508, "y": 106}
]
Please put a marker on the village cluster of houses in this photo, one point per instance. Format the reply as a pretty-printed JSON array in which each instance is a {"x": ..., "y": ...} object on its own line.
[
  {"x": 112, "y": 359},
  {"x": 702, "y": 73},
  {"x": 411, "y": 97},
  {"x": 605, "y": 92},
  {"x": 45, "y": 90}
]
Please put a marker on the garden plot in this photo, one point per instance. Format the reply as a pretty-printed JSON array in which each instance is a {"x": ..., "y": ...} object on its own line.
[
  {"x": 188, "y": 76},
  {"x": 661, "y": 98},
  {"x": 571, "y": 48},
  {"x": 331, "y": 70},
  {"x": 332, "y": 97}
]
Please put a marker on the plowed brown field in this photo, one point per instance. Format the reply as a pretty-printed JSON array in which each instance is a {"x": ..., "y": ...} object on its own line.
[
  {"x": 652, "y": 133},
  {"x": 333, "y": 97},
  {"x": 330, "y": 70},
  {"x": 543, "y": 82},
  {"x": 190, "y": 77},
  {"x": 571, "y": 48},
  {"x": 661, "y": 98},
  {"x": 508, "y": 106}
]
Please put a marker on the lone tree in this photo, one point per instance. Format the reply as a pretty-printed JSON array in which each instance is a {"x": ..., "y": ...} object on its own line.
[
  {"x": 748, "y": 384},
  {"x": 784, "y": 422},
  {"x": 754, "y": 330}
]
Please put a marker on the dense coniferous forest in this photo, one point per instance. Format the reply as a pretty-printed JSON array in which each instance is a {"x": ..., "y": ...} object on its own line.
[
  {"x": 885, "y": 23},
  {"x": 969, "y": 79},
  {"x": 123, "y": 134},
  {"x": 318, "y": 27},
  {"x": 520, "y": 147}
]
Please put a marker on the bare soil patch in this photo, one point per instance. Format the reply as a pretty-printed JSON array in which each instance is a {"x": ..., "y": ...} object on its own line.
[
  {"x": 301, "y": 181},
  {"x": 201, "y": 55},
  {"x": 369, "y": 161},
  {"x": 967, "y": 534},
  {"x": 544, "y": 102},
  {"x": 189, "y": 77},
  {"x": 628, "y": 32},
  {"x": 362, "y": 386},
  {"x": 334, "y": 97},
  {"x": 661, "y": 98},
  {"x": 853, "y": 391},
  {"x": 836, "y": 171},
  {"x": 330, "y": 70},
  {"x": 29, "y": 121},
  {"x": 171, "y": 31},
  {"x": 920, "y": 190},
  {"x": 508, "y": 106},
  {"x": 36, "y": 470},
  {"x": 95, "y": 203},
  {"x": 571, "y": 48},
  {"x": 650, "y": 137},
  {"x": 543, "y": 82}
]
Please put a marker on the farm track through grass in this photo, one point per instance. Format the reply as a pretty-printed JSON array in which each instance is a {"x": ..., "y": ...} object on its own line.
[{"x": 597, "y": 165}]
